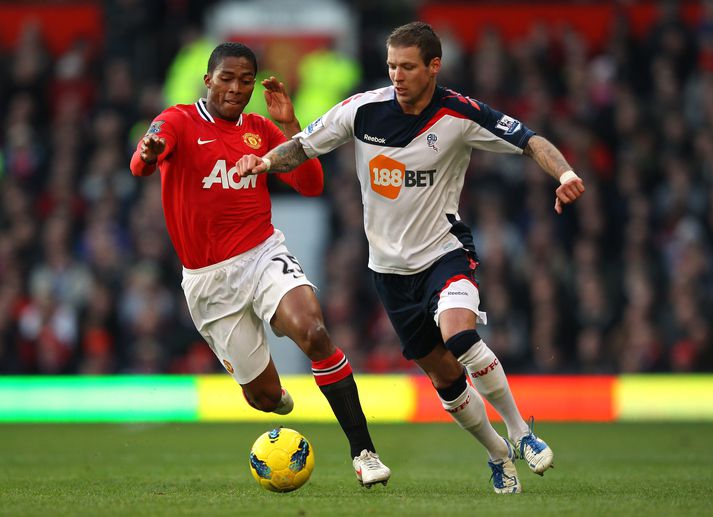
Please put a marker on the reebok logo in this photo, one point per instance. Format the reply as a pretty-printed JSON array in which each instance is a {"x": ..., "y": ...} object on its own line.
[
  {"x": 203, "y": 142},
  {"x": 486, "y": 370},
  {"x": 374, "y": 139},
  {"x": 387, "y": 176},
  {"x": 228, "y": 178}
]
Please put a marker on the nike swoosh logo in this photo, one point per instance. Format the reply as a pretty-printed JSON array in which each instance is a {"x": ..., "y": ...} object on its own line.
[{"x": 201, "y": 142}]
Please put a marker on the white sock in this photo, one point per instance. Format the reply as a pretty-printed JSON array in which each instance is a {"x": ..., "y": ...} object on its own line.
[
  {"x": 468, "y": 411},
  {"x": 489, "y": 378}
]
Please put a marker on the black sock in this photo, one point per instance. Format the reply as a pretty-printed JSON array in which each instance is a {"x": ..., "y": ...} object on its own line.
[{"x": 344, "y": 399}]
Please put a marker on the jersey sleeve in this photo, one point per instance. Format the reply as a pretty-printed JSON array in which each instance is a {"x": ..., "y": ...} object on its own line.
[
  {"x": 334, "y": 128},
  {"x": 164, "y": 125},
  {"x": 308, "y": 178},
  {"x": 495, "y": 131}
]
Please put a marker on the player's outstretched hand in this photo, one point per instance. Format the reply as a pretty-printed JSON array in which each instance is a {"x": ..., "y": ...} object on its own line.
[
  {"x": 568, "y": 193},
  {"x": 151, "y": 147},
  {"x": 250, "y": 164},
  {"x": 279, "y": 104}
]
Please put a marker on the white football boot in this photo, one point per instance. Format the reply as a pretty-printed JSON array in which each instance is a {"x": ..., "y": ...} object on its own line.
[
  {"x": 504, "y": 477},
  {"x": 286, "y": 404},
  {"x": 369, "y": 469},
  {"x": 535, "y": 452}
]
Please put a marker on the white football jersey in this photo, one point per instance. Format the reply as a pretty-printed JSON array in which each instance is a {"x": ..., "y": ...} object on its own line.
[{"x": 411, "y": 168}]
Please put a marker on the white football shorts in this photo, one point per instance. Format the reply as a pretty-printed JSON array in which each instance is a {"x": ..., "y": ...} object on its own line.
[
  {"x": 230, "y": 300},
  {"x": 461, "y": 294}
]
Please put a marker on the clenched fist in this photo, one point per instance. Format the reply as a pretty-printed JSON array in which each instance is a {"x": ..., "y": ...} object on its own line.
[
  {"x": 568, "y": 193},
  {"x": 151, "y": 147}
]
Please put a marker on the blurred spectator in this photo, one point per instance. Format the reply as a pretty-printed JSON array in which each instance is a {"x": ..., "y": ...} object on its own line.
[{"x": 47, "y": 331}]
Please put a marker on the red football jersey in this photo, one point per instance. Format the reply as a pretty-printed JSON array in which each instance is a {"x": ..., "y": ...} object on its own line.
[{"x": 211, "y": 213}]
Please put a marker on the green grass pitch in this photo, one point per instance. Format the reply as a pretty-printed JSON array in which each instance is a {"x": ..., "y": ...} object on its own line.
[{"x": 202, "y": 469}]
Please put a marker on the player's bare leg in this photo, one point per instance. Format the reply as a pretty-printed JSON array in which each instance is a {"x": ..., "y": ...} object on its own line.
[
  {"x": 458, "y": 331},
  {"x": 266, "y": 394},
  {"x": 299, "y": 317},
  {"x": 465, "y": 406}
]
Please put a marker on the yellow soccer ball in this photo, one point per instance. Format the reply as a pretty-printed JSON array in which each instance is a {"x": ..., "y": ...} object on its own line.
[{"x": 281, "y": 460}]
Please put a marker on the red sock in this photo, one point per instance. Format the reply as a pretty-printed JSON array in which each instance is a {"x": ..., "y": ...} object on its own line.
[
  {"x": 332, "y": 369},
  {"x": 335, "y": 380}
]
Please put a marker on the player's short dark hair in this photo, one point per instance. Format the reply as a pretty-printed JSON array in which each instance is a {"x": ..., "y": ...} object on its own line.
[
  {"x": 230, "y": 49},
  {"x": 417, "y": 34}
]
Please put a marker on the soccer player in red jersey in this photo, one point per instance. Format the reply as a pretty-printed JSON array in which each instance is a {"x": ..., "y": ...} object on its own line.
[{"x": 237, "y": 272}]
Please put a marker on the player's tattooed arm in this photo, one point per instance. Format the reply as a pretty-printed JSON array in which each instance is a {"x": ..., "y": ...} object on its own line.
[
  {"x": 282, "y": 158},
  {"x": 286, "y": 156},
  {"x": 547, "y": 156}
]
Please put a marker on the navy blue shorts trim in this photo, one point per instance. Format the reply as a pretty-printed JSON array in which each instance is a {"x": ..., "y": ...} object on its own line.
[{"x": 411, "y": 300}]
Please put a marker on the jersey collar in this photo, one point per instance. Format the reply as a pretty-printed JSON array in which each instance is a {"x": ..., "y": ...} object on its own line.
[{"x": 203, "y": 112}]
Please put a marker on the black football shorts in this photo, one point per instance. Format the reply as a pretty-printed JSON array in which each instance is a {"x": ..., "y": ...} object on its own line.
[{"x": 411, "y": 301}]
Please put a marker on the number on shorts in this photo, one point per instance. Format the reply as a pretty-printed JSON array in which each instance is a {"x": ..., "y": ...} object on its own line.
[{"x": 290, "y": 266}]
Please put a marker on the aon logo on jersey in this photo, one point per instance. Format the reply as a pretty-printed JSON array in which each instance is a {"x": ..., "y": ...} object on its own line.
[
  {"x": 228, "y": 178},
  {"x": 388, "y": 176}
]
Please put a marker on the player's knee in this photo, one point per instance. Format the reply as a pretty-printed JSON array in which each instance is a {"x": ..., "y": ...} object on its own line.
[
  {"x": 467, "y": 342},
  {"x": 314, "y": 340}
]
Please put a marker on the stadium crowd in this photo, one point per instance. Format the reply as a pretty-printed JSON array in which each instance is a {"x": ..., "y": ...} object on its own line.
[{"x": 622, "y": 282}]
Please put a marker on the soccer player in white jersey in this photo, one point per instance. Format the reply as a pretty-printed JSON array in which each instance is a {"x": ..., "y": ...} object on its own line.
[
  {"x": 237, "y": 272},
  {"x": 413, "y": 142}
]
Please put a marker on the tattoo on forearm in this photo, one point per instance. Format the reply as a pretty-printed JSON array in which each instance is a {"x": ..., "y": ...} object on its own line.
[
  {"x": 286, "y": 157},
  {"x": 547, "y": 156}
]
